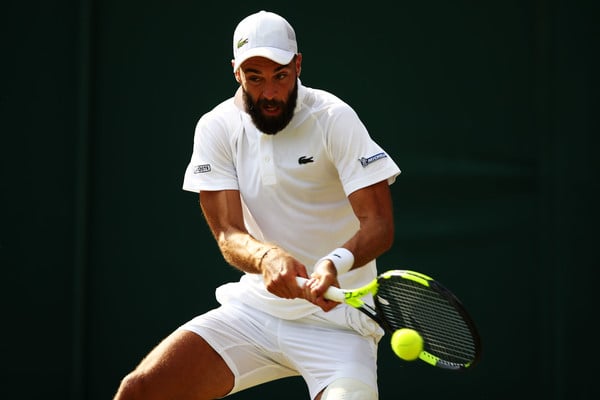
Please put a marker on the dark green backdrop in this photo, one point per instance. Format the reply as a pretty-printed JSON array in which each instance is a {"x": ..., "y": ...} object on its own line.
[{"x": 490, "y": 109}]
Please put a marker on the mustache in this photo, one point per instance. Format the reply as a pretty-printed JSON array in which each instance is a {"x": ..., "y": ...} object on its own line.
[{"x": 269, "y": 103}]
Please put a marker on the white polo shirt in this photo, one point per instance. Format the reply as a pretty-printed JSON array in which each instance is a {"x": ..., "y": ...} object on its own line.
[{"x": 293, "y": 185}]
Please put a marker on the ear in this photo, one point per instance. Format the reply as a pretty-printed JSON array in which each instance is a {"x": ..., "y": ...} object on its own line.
[
  {"x": 298, "y": 63},
  {"x": 236, "y": 73}
]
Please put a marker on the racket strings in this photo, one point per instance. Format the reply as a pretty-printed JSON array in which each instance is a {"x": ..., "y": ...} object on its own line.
[{"x": 405, "y": 303}]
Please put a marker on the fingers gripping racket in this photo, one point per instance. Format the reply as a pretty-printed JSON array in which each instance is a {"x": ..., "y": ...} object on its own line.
[{"x": 409, "y": 299}]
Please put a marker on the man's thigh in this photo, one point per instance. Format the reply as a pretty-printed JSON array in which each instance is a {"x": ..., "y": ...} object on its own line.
[{"x": 184, "y": 365}]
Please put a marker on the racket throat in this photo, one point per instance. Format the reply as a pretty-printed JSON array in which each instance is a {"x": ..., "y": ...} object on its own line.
[{"x": 369, "y": 311}]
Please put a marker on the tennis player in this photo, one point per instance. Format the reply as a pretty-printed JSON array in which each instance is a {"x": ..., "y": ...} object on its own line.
[{"x": 291, "y": 184}]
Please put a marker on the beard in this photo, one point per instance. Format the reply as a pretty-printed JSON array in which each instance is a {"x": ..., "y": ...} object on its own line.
[{"x": 271, "y": 125}]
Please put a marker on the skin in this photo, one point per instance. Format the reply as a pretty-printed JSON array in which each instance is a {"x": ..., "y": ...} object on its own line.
[{"x": 184, "y": 366}]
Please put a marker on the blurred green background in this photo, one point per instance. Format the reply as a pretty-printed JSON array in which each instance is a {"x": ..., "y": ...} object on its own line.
[{"x": 490, "y": 109}]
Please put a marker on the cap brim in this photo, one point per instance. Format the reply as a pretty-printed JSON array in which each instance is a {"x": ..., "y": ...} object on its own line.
[{"x": 277, "y": 55}]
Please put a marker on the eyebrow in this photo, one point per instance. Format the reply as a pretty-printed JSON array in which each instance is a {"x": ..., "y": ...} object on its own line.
[{"x": 255, "y": 71}]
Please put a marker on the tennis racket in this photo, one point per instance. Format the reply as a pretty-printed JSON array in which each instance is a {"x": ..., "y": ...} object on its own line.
[{"x": 409, "y": 299}]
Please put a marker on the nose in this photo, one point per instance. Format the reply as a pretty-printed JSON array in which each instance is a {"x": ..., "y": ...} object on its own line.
[{"x": 269, "y": 91}]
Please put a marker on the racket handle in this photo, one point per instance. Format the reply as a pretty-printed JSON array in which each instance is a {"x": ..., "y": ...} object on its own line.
[{"x": 332, "y": 293}]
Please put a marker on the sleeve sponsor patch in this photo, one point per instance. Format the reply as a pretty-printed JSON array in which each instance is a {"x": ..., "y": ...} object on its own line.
[
  {"x": 200, "y": 169},
  {"x": 364, "y": 161}
]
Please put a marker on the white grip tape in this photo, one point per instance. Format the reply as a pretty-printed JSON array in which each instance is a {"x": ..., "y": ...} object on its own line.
[
  {"x": 332, "y": 293},
  {"x": 342, "y": 259}
]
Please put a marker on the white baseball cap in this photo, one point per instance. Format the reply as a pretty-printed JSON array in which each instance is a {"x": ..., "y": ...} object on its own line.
[{"x": 264, "y": 34}]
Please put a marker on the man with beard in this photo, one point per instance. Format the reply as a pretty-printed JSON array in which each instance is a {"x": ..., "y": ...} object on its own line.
[{"x": 291, "y": 185}]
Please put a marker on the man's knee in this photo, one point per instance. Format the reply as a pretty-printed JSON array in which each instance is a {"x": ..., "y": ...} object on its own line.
[
  {"x": 130, "y": 387},
  {"x": 349, "y": 389}
]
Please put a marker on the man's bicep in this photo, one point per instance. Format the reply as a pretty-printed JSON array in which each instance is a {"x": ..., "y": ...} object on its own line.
[
  {"x": 222, "y": 210},
  {"x": 374, "y": 201}
]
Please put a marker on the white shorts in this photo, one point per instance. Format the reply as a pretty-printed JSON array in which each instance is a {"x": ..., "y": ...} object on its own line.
[{"x": 321, "y": 348}]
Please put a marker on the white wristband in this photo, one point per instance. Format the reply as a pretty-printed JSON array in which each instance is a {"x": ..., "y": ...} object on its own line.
[{"x": 342, "y": 259}]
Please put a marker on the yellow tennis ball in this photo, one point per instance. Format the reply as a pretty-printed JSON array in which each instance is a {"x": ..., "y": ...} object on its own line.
[{"x": 407, "y": 344}]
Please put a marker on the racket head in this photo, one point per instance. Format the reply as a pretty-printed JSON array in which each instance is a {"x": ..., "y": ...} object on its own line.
[{"x": 409, "y": 299}]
